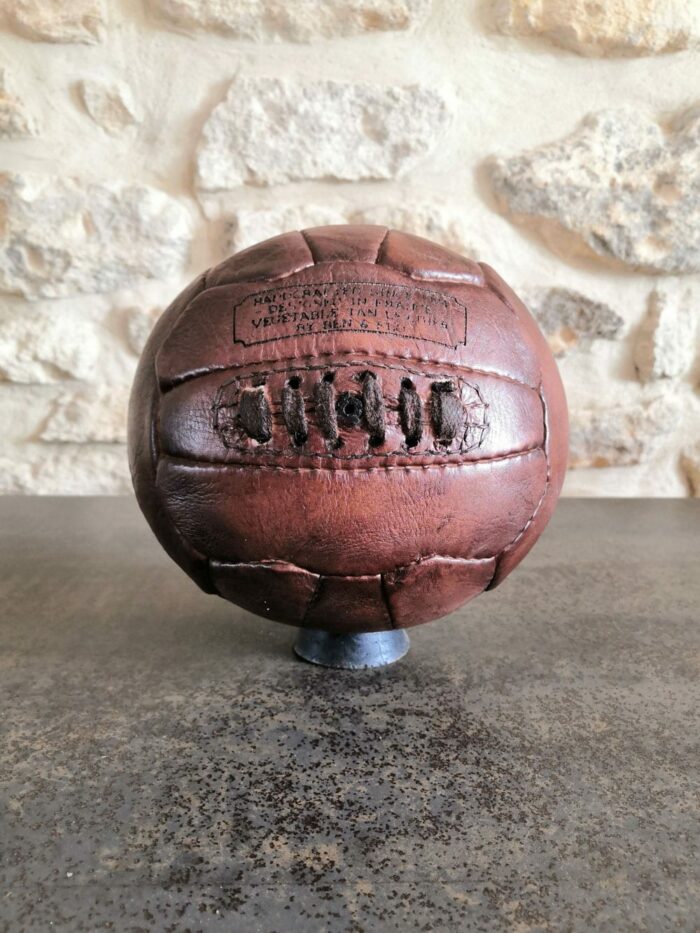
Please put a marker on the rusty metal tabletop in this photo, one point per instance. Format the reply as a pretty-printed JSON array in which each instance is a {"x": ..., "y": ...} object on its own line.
[{"x": 167, "y": 764}]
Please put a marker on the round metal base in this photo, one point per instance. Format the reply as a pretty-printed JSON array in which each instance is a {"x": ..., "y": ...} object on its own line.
[{"x": 351, "y": 652}]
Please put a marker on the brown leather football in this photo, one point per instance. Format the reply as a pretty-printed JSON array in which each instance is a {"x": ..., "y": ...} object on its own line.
[{"x": 347, "y": 428}]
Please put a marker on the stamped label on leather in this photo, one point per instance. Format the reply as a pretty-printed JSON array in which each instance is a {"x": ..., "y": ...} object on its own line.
[{"x": 363, "y": 307}]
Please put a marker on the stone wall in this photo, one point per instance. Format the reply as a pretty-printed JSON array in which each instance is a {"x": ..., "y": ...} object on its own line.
[{"x": 143, "y": 140}]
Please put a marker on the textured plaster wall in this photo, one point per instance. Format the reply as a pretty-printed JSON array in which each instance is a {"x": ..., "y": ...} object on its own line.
[{"x": 142, "y": 140}]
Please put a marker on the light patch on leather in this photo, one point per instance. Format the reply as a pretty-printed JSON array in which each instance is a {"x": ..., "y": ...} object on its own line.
[{"x": 289, "y": 311}]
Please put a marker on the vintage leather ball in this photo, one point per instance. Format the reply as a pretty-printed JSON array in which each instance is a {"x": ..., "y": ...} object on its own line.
[{"x": 347, "y": 428}]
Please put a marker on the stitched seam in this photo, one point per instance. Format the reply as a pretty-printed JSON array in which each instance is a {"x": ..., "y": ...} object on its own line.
[
  {"x": 378, "y": 259},
  {"x": 454, "y": 278},
  {"x": 370, "y": 362},
  {"x": 309, "y": 247},
  {"x": 282, "y": 451},
  {"x": 353, "y": 576},
  {"x": 154, "y": 431},
  {"x": 178, "y": 317},
  {"x": 194, "y": 462},
  {"x": 314, "y": 598},
  {"x": 525, "y": 527},
  {"x": 492, "y": 286},
  {"x": 367, "y": 360},
  {"x": 385, "y": 600},
  {"x": 496, "y": 558},
  {"x": 432, "y": 275},
  {"x": 271, "y": 277}
]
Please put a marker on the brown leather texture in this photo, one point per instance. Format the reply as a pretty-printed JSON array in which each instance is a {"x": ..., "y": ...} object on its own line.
[{"x": 347, "y": 428}]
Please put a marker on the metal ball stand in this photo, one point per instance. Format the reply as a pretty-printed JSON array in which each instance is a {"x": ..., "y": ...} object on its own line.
[{"x": 351, "y": 652}]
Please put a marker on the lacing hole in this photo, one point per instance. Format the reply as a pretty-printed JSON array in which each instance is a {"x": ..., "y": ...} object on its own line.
[
  {"x": 407, "y": 384},
  {"x": 350, "y": 408},
  {"x": 443, "y": 387},
  {"x": 294, "y": 382},
  {"x": 328, "y": 377}
]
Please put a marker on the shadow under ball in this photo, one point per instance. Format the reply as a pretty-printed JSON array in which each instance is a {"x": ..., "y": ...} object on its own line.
[{"x": 347, "y": 428}]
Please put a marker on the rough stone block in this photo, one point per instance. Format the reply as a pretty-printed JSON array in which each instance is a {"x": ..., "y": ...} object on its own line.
[
  {"x": 57, "y": 20},
  {"x": 667, "y": 341},
  {"x": 690, "y": 464},
  {"x": 15, "y": 118},
  {"x": 295, "y": 21},
  {"x": 89, "y": 414},
  {"x": 569, "y": 318},
  {"x": 111, "y": 106},
  {"x": 44, "y": 345},
  {"x": 620, "y": 186},
  {"x": 621, "y": 435},
  {"x": 63, "y": 236},
  {"x": 271, "y": 131},
  {"x": 67, "y": 470},
  {"x": 139, "y": 324},
  {"x": 612, "y": 27}
]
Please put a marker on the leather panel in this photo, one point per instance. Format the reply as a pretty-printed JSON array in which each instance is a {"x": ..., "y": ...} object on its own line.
[
  {"x": 556, "y": 429},
  {"x": 274, "y": 590},
  {"x": 273, "y": 259},
  {"x": 433, "y": 587},
  {"x": 423, "y": 259},
  {"x": 349, "y": 604},
  {"x": 206, "y": 337},
  {"x": 144, "y": 403},
  {"x": 352, "y": 522},
  {"x": 345, "y": 243}
]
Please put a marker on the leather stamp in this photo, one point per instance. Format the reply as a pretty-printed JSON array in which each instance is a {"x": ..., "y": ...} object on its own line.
[{"x": 362, "y": 307}]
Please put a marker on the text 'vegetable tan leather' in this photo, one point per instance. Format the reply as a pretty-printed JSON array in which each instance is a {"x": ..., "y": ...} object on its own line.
[{"x": 347, "y": 428}]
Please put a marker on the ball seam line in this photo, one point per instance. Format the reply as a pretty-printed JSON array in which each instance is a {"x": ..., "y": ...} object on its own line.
[
  {"x": 368, "y": 358},
  {"x": 542, "y": 498},
  {"x": 194, "y": 462},
  {"x": 156, "y": 449},
  {"x": 263, "y": 564}
]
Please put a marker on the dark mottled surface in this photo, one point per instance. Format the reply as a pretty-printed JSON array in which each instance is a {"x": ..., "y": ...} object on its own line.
[{"x": 167, "y": 764}]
